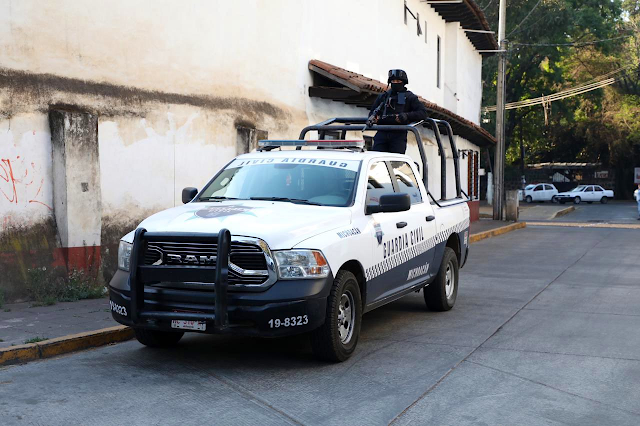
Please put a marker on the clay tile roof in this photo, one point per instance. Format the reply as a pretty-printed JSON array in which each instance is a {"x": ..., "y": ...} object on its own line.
[
  {"x": 356, "y": 89},
  {"x": 470, "y": 17}
]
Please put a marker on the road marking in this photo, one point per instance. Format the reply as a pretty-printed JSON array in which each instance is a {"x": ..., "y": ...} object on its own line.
[{"x": 586, "y": 225}]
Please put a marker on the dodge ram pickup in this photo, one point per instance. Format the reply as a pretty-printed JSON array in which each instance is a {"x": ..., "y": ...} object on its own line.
[{"x": 301, "y": 236}]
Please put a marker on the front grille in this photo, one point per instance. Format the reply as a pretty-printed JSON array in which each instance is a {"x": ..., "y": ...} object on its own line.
[{"x": 243, "y": 255}]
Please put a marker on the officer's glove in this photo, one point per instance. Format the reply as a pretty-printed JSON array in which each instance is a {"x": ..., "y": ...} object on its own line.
[
  {"x": 372, "y": 120},
  {"x": 401, "y": 118}
]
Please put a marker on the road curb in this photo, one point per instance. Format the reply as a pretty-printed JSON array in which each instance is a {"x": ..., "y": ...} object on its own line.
[
  {"x": 65, "y": 344},
  {"x": 563, "y": 212},
  {"x": 474, "y": 238}
]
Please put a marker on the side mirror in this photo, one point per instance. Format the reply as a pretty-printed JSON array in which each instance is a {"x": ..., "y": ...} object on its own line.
[
  {"x": 188, "y": 194},
  {"x": 391, "y": 203}
]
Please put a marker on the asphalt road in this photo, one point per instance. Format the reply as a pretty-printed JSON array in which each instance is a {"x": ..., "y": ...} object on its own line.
[
  {"x": 617, "y": 212},
  {"x": 546, "y": 330}
]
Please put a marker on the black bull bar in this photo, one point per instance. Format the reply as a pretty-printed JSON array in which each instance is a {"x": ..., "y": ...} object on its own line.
[{"x": 142, "y": 274}]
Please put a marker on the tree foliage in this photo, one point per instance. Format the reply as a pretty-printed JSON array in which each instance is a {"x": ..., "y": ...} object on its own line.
[{"x": 598, "y": 126}]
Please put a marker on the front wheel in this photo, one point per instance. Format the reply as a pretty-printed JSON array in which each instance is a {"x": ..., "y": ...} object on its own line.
[
  {"x": 156, "y": 338},
  {"x": 528, "y": 199},
  {"x": 577, "y": 200},
  {"x": 337, "y": 338},
  {"x": 604, "y": 200},
  {"x": 441, "y": 294}
]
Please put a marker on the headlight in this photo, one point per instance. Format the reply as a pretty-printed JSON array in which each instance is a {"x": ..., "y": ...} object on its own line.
[
  {"x": 124, "y": 255},
  {"x": 296, "y": 264}
]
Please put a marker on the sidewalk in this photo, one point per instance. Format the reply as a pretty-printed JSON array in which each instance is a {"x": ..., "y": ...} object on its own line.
[
  {"x": 28, "y": 333},
  {"x": 20, "y": 323}
]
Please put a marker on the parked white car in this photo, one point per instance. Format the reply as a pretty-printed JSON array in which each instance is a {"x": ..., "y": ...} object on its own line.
[
  {"x": 538, "y": 192},
  {"x": 587, "y": 193}
]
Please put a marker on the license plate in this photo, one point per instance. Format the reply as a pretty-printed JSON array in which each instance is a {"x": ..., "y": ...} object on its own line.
[{"x": 189, "y": 325}]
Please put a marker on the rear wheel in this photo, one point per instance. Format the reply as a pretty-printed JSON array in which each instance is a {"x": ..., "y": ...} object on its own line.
[
  {"x": 528, "y": 199},
  {"x": 156, "y": 338},
  {"x": 604, "y": 200},
  {"x": 337, "y": 338},
  {"x": 441, "y": 294},
  {"x": 554, "y": 199},
  {"x": 577, "y": 200}
]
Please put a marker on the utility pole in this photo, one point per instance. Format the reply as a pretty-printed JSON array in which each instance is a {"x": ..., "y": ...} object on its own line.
[{"x": 498, "y": 190}]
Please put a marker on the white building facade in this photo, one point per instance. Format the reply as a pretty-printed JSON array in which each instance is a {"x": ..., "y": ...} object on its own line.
[{"x": 109, "y": 109}]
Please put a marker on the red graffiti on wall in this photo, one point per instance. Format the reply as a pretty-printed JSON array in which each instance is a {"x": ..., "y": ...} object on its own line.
[{"x": 21, "y": 180}]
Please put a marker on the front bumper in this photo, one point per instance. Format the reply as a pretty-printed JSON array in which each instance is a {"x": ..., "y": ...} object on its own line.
[{"x": 248, "y": 313}]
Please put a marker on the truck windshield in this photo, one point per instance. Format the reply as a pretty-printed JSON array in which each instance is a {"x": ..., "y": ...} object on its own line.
[{"x": 331, "y": 183}]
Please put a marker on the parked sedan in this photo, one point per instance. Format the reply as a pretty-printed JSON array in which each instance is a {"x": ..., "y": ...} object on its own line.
[
  {"x": 538, "y": 192},
  {"x": 587, "y": 193}
]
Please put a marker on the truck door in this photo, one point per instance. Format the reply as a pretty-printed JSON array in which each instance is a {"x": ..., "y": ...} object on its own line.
[
  {"x": 421, "y": 226},
  {"x": 399, "y": 236}
]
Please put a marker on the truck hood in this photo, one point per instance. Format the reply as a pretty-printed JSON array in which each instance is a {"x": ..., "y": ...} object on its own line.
[{"x": 281, "y": 224}]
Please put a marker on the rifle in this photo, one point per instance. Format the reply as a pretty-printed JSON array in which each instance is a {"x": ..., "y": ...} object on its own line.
[{"x": 377, "y": 113}]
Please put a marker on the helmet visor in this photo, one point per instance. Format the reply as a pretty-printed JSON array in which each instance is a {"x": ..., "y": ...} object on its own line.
[{"x": 398, "y": 75}]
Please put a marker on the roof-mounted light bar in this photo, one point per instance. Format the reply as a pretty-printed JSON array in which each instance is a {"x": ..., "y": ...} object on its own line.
[{"x": 320, "y": 143}]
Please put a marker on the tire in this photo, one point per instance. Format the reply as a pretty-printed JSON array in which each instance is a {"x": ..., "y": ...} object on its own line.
[
  {"x": 157, "y": 339},
  {"x": 604, "y": 200},
  {"x": 577, "y": 200},
  {"x": 528, "y": 199},
  {"x": 554, "y": 199},
  {"x": 337, "y": 338},
  {"x": 441, "y": 294}
]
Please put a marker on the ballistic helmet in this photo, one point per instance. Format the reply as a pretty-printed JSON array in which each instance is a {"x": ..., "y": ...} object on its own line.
[{"x": 398, "y": 75}]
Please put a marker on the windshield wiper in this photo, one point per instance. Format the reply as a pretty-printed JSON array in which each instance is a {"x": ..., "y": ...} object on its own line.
[
  {"x": 217, "y": 198},
  {"x": 289, "y": 200}
]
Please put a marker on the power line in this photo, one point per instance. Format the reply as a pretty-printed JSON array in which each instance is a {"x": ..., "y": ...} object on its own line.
[
  {"x": 586, "y": 43},
  {"x": 556, "y": 96},
  {"x": 525, "y": 18},
  {"x": 596, "y": 83}
]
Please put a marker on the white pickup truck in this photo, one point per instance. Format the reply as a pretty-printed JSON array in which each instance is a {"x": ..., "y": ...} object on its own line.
[{"x": 285, "y": 241}]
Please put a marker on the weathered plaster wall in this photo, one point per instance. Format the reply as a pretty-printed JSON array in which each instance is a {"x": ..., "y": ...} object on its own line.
[{"x": 170, "y": 82}]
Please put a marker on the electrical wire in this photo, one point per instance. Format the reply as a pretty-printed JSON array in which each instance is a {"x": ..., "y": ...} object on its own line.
[
  {"x": 593, "y": 84},
  {"x": 578, "y": 44},
  {"x": 555, "y": 97},
  {"x": 525, "y": 18},
  {"x": 485, "y": 7}
]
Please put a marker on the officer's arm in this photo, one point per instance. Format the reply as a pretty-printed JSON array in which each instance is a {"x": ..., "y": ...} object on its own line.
[
  {"x": 376, "y": 103},
  {"x": 417, "y": 110}
]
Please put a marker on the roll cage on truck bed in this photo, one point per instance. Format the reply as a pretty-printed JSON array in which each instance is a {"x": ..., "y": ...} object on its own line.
[{"x": 143, "y": 314}]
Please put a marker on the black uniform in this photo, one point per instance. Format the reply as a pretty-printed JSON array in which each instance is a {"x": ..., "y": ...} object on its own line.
[{"x": 402, "y": 107}]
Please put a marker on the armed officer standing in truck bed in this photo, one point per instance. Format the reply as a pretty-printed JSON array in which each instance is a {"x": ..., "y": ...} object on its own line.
[{"x": 395, "y": 106}]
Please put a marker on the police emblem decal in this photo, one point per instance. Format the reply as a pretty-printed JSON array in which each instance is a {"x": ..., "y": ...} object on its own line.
[
  {"x": 221, "y": 211},
  {"x": 379, "y": 233}
]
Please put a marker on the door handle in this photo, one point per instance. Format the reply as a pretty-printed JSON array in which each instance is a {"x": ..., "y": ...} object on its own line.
[
  {"x": 401, "y": 224},
  {"x": 430, "y": 218}
]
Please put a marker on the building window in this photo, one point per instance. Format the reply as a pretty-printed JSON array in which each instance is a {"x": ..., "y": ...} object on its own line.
[
  {"x": 425, "y": 31},
  {"x": 438, "y": 64},
  {"x": 247, "y": 139}
]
